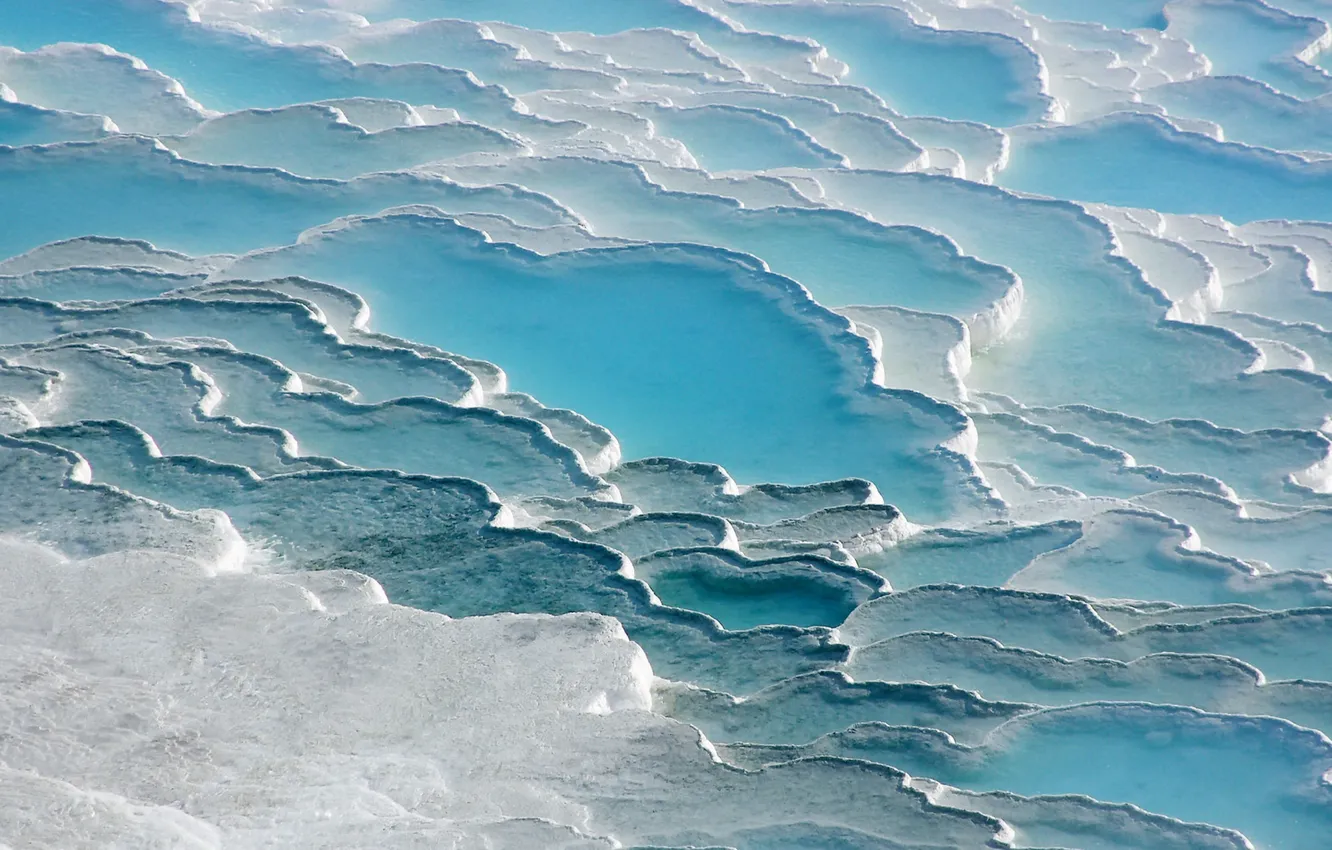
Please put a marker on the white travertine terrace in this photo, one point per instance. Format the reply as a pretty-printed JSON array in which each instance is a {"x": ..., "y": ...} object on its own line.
[{"x": 666, "y": 424}]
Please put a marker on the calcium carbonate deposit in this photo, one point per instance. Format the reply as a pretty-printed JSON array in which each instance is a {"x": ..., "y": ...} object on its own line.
[{"x": 610, "y": 424}]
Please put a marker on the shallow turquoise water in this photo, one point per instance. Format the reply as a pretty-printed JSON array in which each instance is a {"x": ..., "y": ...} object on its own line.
[
  {"x": 625, "y": 336},
  {"x": 1180, "y": 173}
]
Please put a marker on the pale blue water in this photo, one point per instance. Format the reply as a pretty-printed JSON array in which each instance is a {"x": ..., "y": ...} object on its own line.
[
  {"x": 139, "y": 192},
  {"x": 1133, "y": 754},
  {"x": 918, "y": 70},
  {"x": 690, "y": 336},
  {"x": 1179, "y": 173},
  {"x": 725, "y": 138},
  {"x": 875, "y": 264},
  {"x": 26, "y": 125},
  {"x": 1251, "y": 41},
  {"x": 1251, "y": 112},
  {"x": 978, "y": 558},
  {"x": 1130, "y": 14},
  {"x": 227, "y": 70},
  {"x": 738, "y": 606}
]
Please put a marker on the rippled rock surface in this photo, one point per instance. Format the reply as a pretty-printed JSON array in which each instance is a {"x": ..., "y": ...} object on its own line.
[{"x": 665, "y": 424}]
